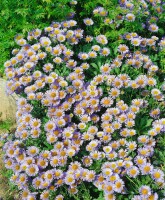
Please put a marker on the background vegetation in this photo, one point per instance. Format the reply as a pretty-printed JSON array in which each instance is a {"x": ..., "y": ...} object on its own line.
[{"x": 22, "y": 16}]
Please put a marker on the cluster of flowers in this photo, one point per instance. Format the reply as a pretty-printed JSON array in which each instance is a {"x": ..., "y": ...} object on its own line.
[
  {"x": 85, "y": 121},
  {"x": 129, "y": 11}
]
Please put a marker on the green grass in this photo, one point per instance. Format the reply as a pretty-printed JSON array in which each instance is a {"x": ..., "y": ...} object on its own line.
[{"x": 6, "y": 125}]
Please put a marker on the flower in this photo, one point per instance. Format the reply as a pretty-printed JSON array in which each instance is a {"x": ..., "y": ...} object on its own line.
[
  {"x": 88, "y": 22},
  {"x": 69, "y": 179},
  {"x": 133, "y": 171},
  {"x": 130, "y": 17},
  {"x": 123, "y": 48},
  {"x": 32, "y": 170},
  {"x": 101, "y": 39},
  {"x": 157, "y": 174},
  {"x": 136, "y": 41},
  {"x": 145, "y": 190},
  {"x": 153, "y": 28}
]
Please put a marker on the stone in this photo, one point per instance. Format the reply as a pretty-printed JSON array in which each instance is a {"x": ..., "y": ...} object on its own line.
[{"x": 8, "y": 105}]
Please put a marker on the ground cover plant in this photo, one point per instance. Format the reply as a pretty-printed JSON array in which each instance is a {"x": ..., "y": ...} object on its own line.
[{"x": 91, "y": 112}]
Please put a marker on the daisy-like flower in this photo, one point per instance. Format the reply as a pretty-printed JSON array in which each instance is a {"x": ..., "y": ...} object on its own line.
[
  {"x": 88, "y": 38},
  {"x": 108, "y": 21},
  {"x": 88, "y": 22},
  {"x": 118, "y": 186},
  {"x": 37, "y": 183},
  {"x": 83, "y": 56},
  {"x": 117, "y": 83},
  {"x": 57, "y": 60},
  {"x": 106, "y": 117},
  {"x": 32, "y": 151},
  {"x": 128, "y": 164},
  {"x": 79, "y": 111},
  {"x": 106, "y": 102},
  {"x": 114, "y": 92},
  {"x": 140, "y": 160},
  {"x": 87, "y": 161},
  {"x": 102, "y": 12},
  {"x": 101, "y": 39},
  {"x": 151, "y": 42},
  {"x": 51, "y": 138},
  {"x": 162, "y": 43},
  {"x": 9, "y": 163},
  {"x": 146, "y": 168},
  {"x": 105, "y": 51},
  {"x": 92, "y": 54},
  {"x": 72, "y": 190},
  {"x": 153, "y": 28},
  {"x": 32, "y": 170},
  {"x": 96, "y": 48},
  {"x": 130, "y": 123},
  {"x": 95, "y": 155},
  {"x": 107, "y": 172},
  {"x": 25, "y": 193},
  {"x": 59, "y": 197},
  {"x": 42, "y": 55},
  {"x": 112, "y": 155},
  {"x": 151, "y": 82},
  {"x": 153, "y": 68},
  {"x": 133, "y": 172},
  {"x": 61, "y": 37},
  {"x": 131, "y": 146},
  {"x": 45, "y": 41},
  {"x": 108, "y": 188},
  {"x": 42, "y": 163},
  {"x": 144, "y": 151},
  {"x": 157, "y": 174},
  {"x": 90, "y": 176},
  {"x": 116, "y": 63},
  {"x": 143, "y": 139},
  {"x": 84, "y": 118},
  {"x": 48, "y": 176},
  {"x": 155, "y": 113},
  {"x": 130, "y": 17},
  {"x": 45, "y": 195},
  {"x": 155, "y": 92},
  {"x": 71, "y": 63},
  {"x": 48, "y": 67},
  {"x": 136, "y": 41},
  {"x": 21, "y": 102},
  {"x": 54, "y": 161},
  {"x": 69, "y": 179},
  {"x": 145, "y": 191},
  {"x": 21, "y": 42},
  {"x": 31, "y": 197},
  {"x": 116, "y": 125},
  {"x": 123, "y": 48},
  {"x": 56, "y": 51},
  {"x": 109, "y": 196},
  {"x": 68, "y": 53},
  {"x": 71, "y": 152},
  {"x": 77, "y": 84},
  {"x": 68, "y": 132},
  {"x": 35, "y": 123}
]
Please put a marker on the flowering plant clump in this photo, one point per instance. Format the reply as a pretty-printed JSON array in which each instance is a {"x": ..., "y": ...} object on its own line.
[{"x": 90, "y": 109}]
